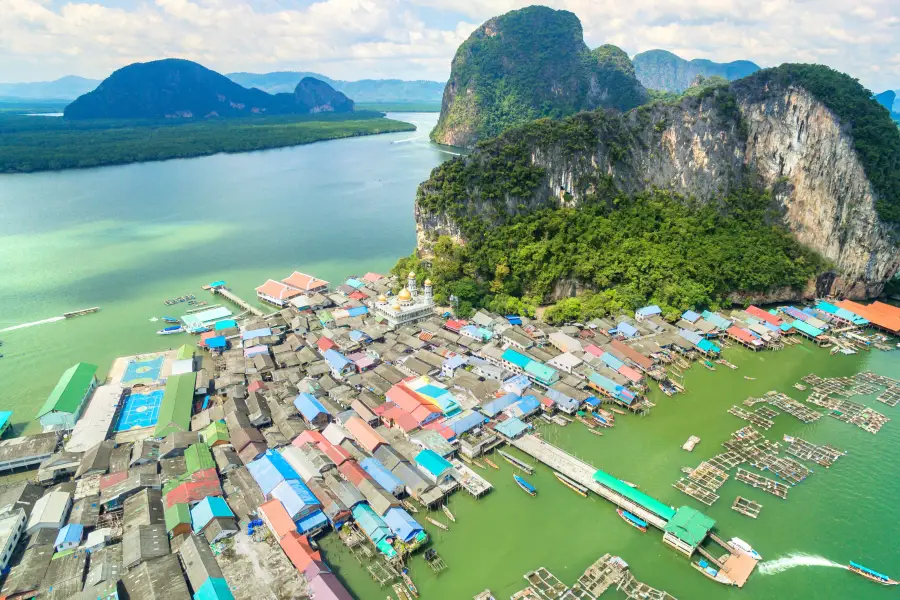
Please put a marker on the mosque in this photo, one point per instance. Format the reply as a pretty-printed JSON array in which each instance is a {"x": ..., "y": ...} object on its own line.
[{"x": 408, "y": 306}]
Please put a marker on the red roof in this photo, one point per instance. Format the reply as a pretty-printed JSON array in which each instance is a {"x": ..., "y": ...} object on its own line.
[
  {"x": 112, "y": 479},
  {"x": 302, "y": 281},
  {"x": 455, "y": 324},
  {"x": 402, "y": 419},
  {"x": 546, "y": 401},
  {"x": 764, "y": 315},
  {"x": 277, "y": 517},
  {"x": 741, "y": 334},
  {"x": 309, "y": 437},
  {"x": 277, "y": 290},
  {"x": 357, "y": 296},
  {"x": 337, "y": 454},
  {"x": 353, "y": 473},
  {"x": 193, "y": 492},
  {"x": 297, "y": 549},
  {"x": 324, "y": 343},
  {"x": 632, "y": 354},
  {"x": 403, "y": 397},
  {"x": 444, "y": 431}
]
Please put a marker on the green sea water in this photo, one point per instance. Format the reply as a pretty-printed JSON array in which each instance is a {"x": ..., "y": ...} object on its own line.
[
  {"x": 128, "y": 237},
  {"x": 846, "y": 512}
]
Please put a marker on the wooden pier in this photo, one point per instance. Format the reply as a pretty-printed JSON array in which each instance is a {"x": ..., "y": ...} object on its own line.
[
  {"x": 234, "y": 298},
  {"x": 763, "y": 483},
  {"x": 471, "y": 481},
  {"x": 746, "y": 507}
]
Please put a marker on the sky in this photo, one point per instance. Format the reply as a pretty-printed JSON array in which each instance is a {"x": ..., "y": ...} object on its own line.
[{"x": 415, "y": 39}]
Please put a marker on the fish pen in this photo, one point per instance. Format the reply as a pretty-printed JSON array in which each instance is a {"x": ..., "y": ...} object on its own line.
[
  {"x": 607, "y": 572},
  {"x": 381, "y": 573},
  {"x": 765, "y": 484},
  {"x": 746, "y": 507},
  {"x": 866, "y": 419},
  {"x": 793, "y": 407},
  {"x": 766, "y": 412},
  {"x": 545, "y": 583},
  {"x": 890, "y": 396},
  {"x": 751, "y": 417},
  {"x": 695, "y": 491},
  {"x": 726, "y": 460},
  {"x": 822, "y": 455},
  {"x": 786, "y": 468},
  {"x": 709, "y": 476},
  {"x": 751, "y": 401},
  {"x": 638, "y": 590}
]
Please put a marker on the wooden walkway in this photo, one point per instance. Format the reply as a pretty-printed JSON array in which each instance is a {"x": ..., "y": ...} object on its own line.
[{"x": 239, "y": 301}]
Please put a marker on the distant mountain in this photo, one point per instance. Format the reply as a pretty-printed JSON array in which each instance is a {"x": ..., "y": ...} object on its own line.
[
  {"x": 662, "y": 70},
  {"x": 366, "y": 90},
  {"x": 527, "y": 64},
  {"x": 64, "y": 88},
  {"x": 180, "y": 89},
  {"x": 887, "y": 99}
]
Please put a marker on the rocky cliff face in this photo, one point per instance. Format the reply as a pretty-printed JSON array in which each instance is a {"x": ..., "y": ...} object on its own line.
[{"x": 779, "y": 138}]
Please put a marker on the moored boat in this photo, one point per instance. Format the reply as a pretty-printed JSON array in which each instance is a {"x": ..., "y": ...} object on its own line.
[
  {"x": 448, "y": 513},
  {"x": 572, "y": 484},
  {"x": 409, "y": 506},
  {"x": 478, "y": 464},
  {"x": 870, "y": 574},
  {"x": 618, "y": 411},
  {"x": 604, "y": 418},
  {"x": 437, "y": 523},
  {"x": 170, "y": 330},
  {"x": 170, "y": 319},
  {"x": 491, "y": 464},
  {"x": 595, "y": 432},
  {"x": 744, "y": 546},
  {"x": 526, "y": 487},
  {"x": 629, "y": 484},
  {"x": 632, "y": 520},
  {"x": 409, "y": 583},
  {"x": 750, "y": 378}
]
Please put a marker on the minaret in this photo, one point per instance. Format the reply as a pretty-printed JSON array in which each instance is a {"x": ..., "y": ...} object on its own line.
[
  {"x": 428, "y": 297},
  {"x": 411, "y": 284}
]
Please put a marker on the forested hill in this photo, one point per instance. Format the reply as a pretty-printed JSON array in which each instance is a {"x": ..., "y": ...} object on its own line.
[
  {"x": 664, "y": 71},
  {"x": 528, "y": 64},
  {"x": 181, "y": 89},
  {"x": 365, "y": 90},
  {"x": 796, "y": 166}
]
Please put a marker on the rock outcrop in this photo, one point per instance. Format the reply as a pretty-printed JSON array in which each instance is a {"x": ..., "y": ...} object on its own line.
[{"x": 780, "y": 138}]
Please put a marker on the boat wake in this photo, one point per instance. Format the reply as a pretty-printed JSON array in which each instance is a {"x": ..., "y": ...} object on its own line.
[
  {"x": 418, "y": 137},
  {"x": 448, "y": 152},
  {"x": 24, "y": 325},
  {"x": 780, "y": 565}
]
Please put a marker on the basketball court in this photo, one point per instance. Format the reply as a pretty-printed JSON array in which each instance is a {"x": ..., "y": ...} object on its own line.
[{"x": 140, "y": 410}]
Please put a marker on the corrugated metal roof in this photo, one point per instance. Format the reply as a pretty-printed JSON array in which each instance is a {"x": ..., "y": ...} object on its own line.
[
  {"x": 175, "y": 410},
  {"x": 70, "y": 390},
  {"x": 433, "y": 462},
  {"x": 402, "y": 524},
  {"x": 648, "y": 502},
  {"x": 297, "y": 499},
  {"x": 208, "y": 509}
]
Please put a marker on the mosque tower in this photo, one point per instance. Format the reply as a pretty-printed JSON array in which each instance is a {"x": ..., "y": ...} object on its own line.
[{"x": 411, "y": 284}]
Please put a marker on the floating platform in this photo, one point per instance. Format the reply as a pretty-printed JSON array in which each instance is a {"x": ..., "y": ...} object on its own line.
[
  {"x": 695, "y": 491},
  {"x": 765, "y": 484},
  {"x": 709, "y": 476},
  {"x": 751, "y": 417},
  {"x": 83, "y": 311},
  {"x": 746, "y": 507},
  {"x": 822, "y": 455}
]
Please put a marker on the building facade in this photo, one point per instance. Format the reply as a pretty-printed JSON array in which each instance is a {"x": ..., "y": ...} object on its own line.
[{"x": 408, "y": 306}]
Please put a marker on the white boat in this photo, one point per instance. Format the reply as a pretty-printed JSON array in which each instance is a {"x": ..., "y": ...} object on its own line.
[
  {"x": 690, "y": 443},
  {"x": 170, "y": 330},
  {"x": 744, "y": 546}
]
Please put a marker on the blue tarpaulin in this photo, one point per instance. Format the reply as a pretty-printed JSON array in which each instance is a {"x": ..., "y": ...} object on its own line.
[{"x": 357, "y": 311}]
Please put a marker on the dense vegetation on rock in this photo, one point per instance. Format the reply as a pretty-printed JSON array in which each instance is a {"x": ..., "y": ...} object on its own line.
[
  {"x": 181, "y": 89},
  {"x": 528, "y": 64},
  {"x": 664, "y": 71},
  {"x": 364, "y": 90},
  {"x": 875, "y": 137},
  {"x": 45, "y": 143},
  {"x": 627, "y": 252}
]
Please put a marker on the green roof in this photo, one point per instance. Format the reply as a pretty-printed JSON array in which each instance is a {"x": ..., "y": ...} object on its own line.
[
  {"x": 175, "y": 410},
  {"x": 689, "y": 525},
  {"x": 177, "y": 514},
  {"x": 70, "y": 390},
  {"x": 637, "y": 496},
  {"x": 541, "y": 371},
  {"x": 174, "y": 483},
  {"x": 216, "y": 431},
  {"x": 186, "y": 351},
  {"x": 198, "y": 457}
]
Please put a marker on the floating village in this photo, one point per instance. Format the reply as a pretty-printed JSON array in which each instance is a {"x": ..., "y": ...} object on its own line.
[{"x": 212, "y": 470}]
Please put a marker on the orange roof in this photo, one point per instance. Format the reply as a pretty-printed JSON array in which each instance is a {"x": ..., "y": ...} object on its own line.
[
  {"x": 401, "y": 418},
  {"x": 364, "y": 434},
  {"x": 424, "y": 412},
  {"x": 403, "y": 397},
  {"x": 276, "y": 289},
  {"x": 878, "y": 313},
  {"x": 304, "y": 282},
  {"x": 628, "y": 351},
  {"x": 277, "y": 517},
  {"x": 308, "y": 437},
  {"x": 297, "y": 548},
  {"x": 372, "y": 277}
]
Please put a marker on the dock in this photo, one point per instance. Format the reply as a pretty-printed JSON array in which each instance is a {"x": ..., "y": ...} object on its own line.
[
  {"x": 234, "y": 298},
  {"x": 583, "y": 473},
  {"x": 471, "y": 481},
  {"x": 746, "y": 507},
  {"x": 763, "y": 483}
]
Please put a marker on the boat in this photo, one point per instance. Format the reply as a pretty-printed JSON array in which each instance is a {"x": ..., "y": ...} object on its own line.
[
  {"x": 83, "y": 311},
  {"x": 711, "y": 572},
  {"x": 170, "y": 319},
  {"x": 409, "y": 583},
  {"x": 637, "y": 523},
  {"x": 629, "y": 484},
  {"x": 618, "y": 411},
  {"x": 516, "y": 462},
  {"x": 870, "y": 574},
  {"x": 709, "y": 365},
  {"x": 401, "y": 593},
  {"x": 572, "y": 484},
  {"x": 478, "y": 464},
  {"x": 691, "y": 443},
  {"x": 585, "y": 422},
  {"x": 437, "y": 523},
  {"x": 595, "y": 432},
  {"x": 448, "y": 513},
  {"x": 491, "y": 464},
  {"x": 750, "y": 378},
  {"x": 604, "y": 418},
  {"x": 745, "y": 547},
  {"x": 170, "y": 330},
  {"x": 665, "y": 389},
  {"x": 788, "y": 438},
  {"x": 409, "y": 506},
  {"x": 527, "y": 487}
]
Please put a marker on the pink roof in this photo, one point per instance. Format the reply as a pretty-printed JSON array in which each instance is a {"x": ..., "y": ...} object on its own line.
[
  {"x": 326, "y": 586},
  {"x": 277, "y": 516},
  {"x": 592, "y": 349},
  {"x": 403, "y": 397},
  {"x": 309, "y": 437},
  {"x": 364, "y": 434},
  {"x": 372, "y": 277},
  {"x": 337, "y": 454},
  {"x": 364, "y": 363},
  {"x": 357, "y": 296},
  {"x": 324, "y": 343},
  {"x": 278, "y": 290},
  {"x": 352, "y": 472},
  {"x": 442, "y": 429},
  {"x": 630, "y": 373},
  {"x": 742, "y": 334},
  {"x": 304, "y": 282},
  {"x": 256, "y": 385}
]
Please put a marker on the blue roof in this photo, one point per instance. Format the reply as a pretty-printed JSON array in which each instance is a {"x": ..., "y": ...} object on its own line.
[
  {"x": 691, "y": 336},
  {"x": 465, "y": 421},
  {"x": 807, "y": 328},
  {"x": 626, "y": 329},
  {"x": 716, "y": 319},
  {"x": 216, "y": 284},
  {"x": 4, "y": 418},
  {"x": 495, "y": 406},
  {"x": 708, "y": 346},
  {"x": 619, "y": 392},
  {"x": 561, "y": 399},
  {"x": 225, "y": 324},
  {"x": 357, "y": 311},
  {"x": 312, "y": 521},
  {"x": 516, "y": 358},
  {"x": 269, "y": 470},
  {"x": 517, "y": 384},
  {"x": 512, "y": 427},
  {"x": 308, "y": 406},
  {"x": 524, "y": 407},
  {"x": 611, "y": 361},
  {"x": 214, "y": 588},
  {"x": 368, "y": 520},
  {"x": 255, "y": 333},
  {"x": 357, "y": 335},
  {"x": 433, "y": 462},
  {"x": 354, "y": 283},
  {"x": 690, "y": 316},
  {"x": 208, "y": 509},
  {"x": 649, "y": 311},
  {"x": 69, "y": 534},
  {"x": 456, "y": 361},
  {"x": 382, "y": 475},
  {"x": 298, "y": 500},
  {"x": 592, "y": 401},
  {"x": 514, "y": 319},
  {"x": 402, "y": 524},
  {"x": 216, "y": 342},
  {"x": 336, "y": 360}
]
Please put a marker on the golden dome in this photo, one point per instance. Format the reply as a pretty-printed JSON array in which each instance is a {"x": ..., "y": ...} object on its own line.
[
  {"x": 382, "y": 298},
  {"x": 404, "y": 295},
  {"x": 428, "y": 282},
  {"x": 412, "y": 274}
]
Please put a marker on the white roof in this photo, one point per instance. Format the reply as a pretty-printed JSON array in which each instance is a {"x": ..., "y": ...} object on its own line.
[
  {"x": 335, "y": 434},
  {"x": 180, "y": 367},
  {"x": 566, "y": 360},
  {"x": 94, "y": 424},
  {"x": 566, "y": 341},
  {"x": 50, "y": 508},
  {"x": 97, "y": 537},
  {"x": 9, "y": 523}
]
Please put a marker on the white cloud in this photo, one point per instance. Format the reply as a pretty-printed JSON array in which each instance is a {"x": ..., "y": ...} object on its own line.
[{"x": 416, "y": 39}]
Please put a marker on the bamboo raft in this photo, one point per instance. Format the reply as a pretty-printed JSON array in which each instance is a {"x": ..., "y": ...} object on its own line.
[
  {"x": 519, "y": 464},
  {"x": 765, "y": 484},
  {"x": 695, "y": 491},
  {"x": 746, "y": 507}
]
